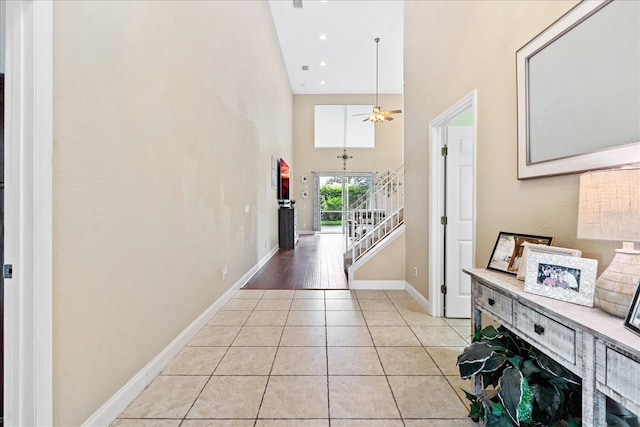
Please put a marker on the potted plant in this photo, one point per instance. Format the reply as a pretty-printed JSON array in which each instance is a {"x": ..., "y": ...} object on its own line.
[{"x": 522, "y": 386}]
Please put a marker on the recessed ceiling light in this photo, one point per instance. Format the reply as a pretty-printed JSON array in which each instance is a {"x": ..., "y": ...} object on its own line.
[
  {"x": 323, "y": 64},
  {"x": 322, "y": 82},
  {"x": 323, "y": 36}
]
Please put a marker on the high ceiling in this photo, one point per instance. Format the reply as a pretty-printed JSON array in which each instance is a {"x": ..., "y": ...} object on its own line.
[{"x": 349, "y": 50}]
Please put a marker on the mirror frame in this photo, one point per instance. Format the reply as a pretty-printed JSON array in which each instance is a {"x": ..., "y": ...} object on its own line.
[{"x": 600, "y": 159}]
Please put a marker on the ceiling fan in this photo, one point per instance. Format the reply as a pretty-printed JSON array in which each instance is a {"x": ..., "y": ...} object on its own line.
[{"x": 378, "y": 115}]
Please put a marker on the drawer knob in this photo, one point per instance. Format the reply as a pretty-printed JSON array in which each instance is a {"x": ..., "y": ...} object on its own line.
[
  {"x": 492, "y": 302},
  {"x": 538, "y": 329}
]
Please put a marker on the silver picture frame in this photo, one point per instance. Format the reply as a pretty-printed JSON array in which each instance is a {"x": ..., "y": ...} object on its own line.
[
  {"x": 561, "y": 277},
  {"x": 528, "y": 247}
]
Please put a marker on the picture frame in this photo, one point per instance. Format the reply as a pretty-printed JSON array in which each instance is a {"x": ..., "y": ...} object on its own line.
[
  {"x": 528, "y": 247},
  {"x": 508, "y": 249},
  {"x": 274, "y": 172},
  {"x": 562, "y": 128},
  {"x": 561, "y": 277},
  {"x": 632, "y": 322}
]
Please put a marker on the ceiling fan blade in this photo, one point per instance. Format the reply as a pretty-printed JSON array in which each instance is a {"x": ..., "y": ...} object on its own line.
[
  {"x": 388, "y": 118},
  {"x": 363, "y": 114},
  {"x": 393, "y": 112},
  {"x": 367, "y": 119}
]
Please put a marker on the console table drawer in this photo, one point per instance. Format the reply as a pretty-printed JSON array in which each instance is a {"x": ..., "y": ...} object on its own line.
[
  {"x": 495, "y": 303},
  {"x": 546, "y": 333},
  {"x": 621, "y": 374}
]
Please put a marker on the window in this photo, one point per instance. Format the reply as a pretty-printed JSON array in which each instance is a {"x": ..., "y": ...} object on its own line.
[{"x": 336, "y": 126}]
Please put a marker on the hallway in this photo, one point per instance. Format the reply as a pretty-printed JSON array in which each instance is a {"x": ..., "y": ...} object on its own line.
[
  {"x": 316, "y": 263},
  {"x": 313, "y": 358}
]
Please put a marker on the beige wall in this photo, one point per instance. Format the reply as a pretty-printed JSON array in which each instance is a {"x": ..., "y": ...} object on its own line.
[
  {"x": 166, "y": 115},
  {"x": 451, "y": 48},
  {"x": 386, "y": 156},
  {"x": 388, "y": 264}
]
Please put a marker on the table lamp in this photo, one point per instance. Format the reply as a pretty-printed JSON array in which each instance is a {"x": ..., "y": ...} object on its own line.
[{"x": 609, "y": 209}]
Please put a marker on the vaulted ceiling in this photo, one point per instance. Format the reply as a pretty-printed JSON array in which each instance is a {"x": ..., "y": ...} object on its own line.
[{"x": 334, "y": 40}]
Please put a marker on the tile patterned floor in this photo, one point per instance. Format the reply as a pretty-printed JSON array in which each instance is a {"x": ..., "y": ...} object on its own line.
[{"x": 317, "y": 358}]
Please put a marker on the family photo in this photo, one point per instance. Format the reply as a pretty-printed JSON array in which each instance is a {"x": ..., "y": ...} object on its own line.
[{"x": 556, "y": 276}]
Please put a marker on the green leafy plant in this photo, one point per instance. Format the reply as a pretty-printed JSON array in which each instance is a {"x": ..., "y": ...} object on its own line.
[{"x": 522, "y": 386}]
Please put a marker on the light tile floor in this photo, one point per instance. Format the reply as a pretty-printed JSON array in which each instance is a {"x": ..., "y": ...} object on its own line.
[{"x": 296, "y": 358}]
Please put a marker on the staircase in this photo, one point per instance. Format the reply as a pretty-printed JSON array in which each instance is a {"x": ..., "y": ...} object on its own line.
[{"x": 376, "y": 215}]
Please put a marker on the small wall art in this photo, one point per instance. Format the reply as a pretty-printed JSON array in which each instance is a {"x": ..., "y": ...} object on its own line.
[
  {"x": 561, "y": 277},
  {"x": 274, "y": 172}
]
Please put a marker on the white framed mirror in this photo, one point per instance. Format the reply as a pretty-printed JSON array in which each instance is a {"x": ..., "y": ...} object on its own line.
[{"x": 579, "y": 91}]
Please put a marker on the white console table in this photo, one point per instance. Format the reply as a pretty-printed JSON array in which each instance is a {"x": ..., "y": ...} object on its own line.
[{"x": 589, "y": 342}]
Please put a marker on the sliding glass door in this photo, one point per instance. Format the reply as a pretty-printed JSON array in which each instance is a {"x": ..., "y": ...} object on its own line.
[{"x": 336, "y": 195}]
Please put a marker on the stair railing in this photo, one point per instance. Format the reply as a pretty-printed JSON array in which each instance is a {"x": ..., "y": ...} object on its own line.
[{"x": 376, "y": 214}]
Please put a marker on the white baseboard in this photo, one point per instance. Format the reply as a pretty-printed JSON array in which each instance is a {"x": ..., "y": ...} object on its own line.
[
  {"x": 110, "y": 411},
  {"x": 424, "y": 303},
  {"x": 306, "y": 232},
  {"x": 377, "y": 284}
]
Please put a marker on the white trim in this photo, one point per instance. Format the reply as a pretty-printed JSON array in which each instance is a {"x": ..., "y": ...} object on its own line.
[
  {"x": 424, "y": 303},
  {"x": 437, "y": 136},
  {"x": 110, "y": 411},
  {"x": 306, "y": 232},
  {"x": 28, "y": 219},
  {"x": 372, "y": 253},
  {"x": 377, "y": 284}
]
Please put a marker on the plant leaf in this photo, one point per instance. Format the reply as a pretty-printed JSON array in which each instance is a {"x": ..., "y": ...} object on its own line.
[
  {"x": 550, "y": 365},
  {"x": 548, "y": 399},
  {"x": 494, "y": 362},
  {"x": 490, "y": 332},
  {"x": 528, "y": 368},
  {"x": 515, "y": 361},
  {"x": 510, "y": 392},
  {"x": 472, "y": 359}
]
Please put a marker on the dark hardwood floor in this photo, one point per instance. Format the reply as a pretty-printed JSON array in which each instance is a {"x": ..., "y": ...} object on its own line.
[{"x": 315, "y": 263}]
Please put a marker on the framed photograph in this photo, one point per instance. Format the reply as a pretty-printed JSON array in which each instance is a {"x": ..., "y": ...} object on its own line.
[
  {"x": 528, "y": 247},
  {"x": 507, "y": 252},
  {"x": 566, "y": 278},
  {"x": 274, "y": 172},
  {"x": 633, "y": 318}
]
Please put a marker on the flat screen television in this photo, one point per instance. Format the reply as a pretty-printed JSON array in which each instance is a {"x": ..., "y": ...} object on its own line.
[{"x": 284, "y": 176}]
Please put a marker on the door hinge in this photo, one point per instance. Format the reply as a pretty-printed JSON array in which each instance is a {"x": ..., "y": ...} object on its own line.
[
  {"x": 7, "y": 271},
  {"x": 444, "y": 151},
  {"x": 443, "y": 220},
  {"x": 443, "y": 289}
]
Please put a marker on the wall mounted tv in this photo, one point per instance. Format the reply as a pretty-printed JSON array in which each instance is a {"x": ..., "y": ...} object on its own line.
[{"x": 284, "y": 176}]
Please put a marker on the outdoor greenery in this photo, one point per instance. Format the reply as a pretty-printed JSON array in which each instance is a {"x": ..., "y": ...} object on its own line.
[
  {"x": 523, "y": 386},
  {"x": 331, "y": 196}
]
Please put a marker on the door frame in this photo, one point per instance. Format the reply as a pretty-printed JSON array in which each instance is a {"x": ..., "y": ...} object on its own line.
[
  {"x": 28, "y": 363},
  {"x": 437, "y": 138}
]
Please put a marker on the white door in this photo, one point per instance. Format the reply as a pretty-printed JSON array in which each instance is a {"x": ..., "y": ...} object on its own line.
[{"x": 459, "y": 212}]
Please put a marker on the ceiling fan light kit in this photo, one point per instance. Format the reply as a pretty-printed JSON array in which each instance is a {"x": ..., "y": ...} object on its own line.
[{"x": 378, "y": 115}]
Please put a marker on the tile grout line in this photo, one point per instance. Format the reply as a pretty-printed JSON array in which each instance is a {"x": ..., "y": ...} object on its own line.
[
  {"x": 264, "y": 392},
  {"x": 219, "y": 361},
  {"x": 386, "y": 377}
]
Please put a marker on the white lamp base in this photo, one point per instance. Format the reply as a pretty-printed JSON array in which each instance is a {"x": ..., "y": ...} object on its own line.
[{"x": 617, "y": 284}]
